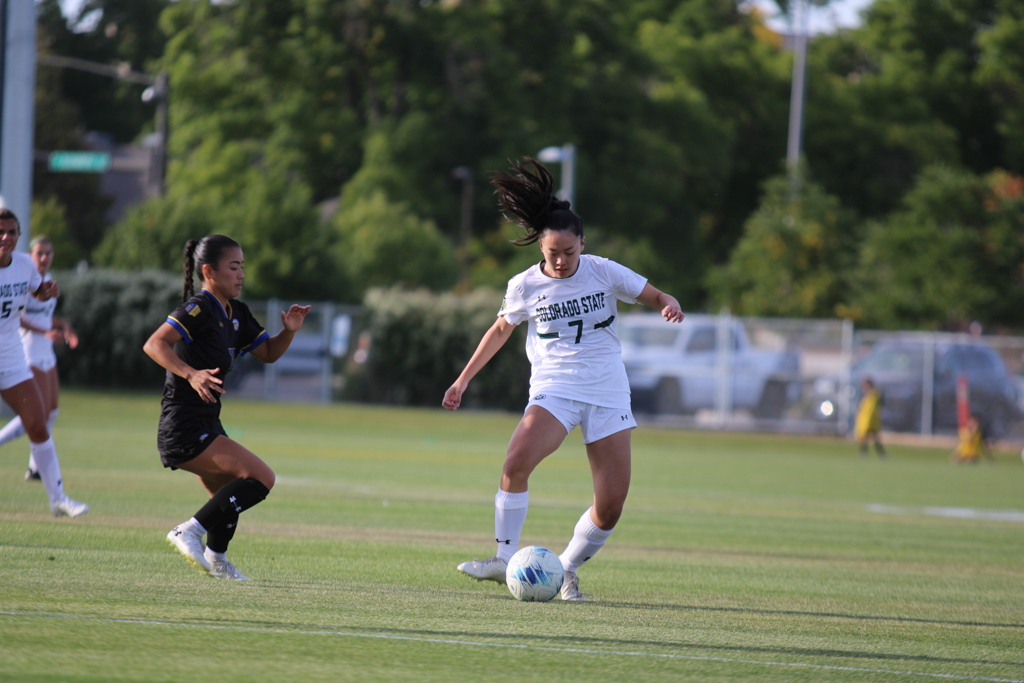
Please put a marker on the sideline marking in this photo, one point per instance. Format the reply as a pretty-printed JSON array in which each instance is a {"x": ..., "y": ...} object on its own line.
[
  {"x": 950, "y": 512},
  {"x": 572, "y": 650}
]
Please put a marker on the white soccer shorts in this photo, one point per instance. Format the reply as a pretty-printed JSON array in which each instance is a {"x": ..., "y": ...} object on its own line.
[{"x": 595, "y": 422}]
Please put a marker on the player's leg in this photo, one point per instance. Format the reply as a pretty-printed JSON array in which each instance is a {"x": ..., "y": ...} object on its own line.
[
  {"x": 611, "y": 467},
  {"x": 879, "y": 449},
  {"x": 25, "y": 400},
  {"x": 46, "y": 382},
  {"x": 538, "y": 435},
  {"x": 237, "y": 480}
]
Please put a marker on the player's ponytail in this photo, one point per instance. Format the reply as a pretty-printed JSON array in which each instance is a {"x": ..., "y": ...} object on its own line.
[
  {"x": 527, "y": 200},
  {"x": 189, "y": 289}
]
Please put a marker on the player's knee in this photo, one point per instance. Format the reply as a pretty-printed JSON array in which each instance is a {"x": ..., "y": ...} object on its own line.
[
  {"x": 607, "y": 513},
  {"x": 35, "y": 430},
  {"x": 517, "y": 468}
]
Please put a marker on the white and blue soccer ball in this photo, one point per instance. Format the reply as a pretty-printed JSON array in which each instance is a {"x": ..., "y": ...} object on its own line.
[{"x": 534, "y": 574}]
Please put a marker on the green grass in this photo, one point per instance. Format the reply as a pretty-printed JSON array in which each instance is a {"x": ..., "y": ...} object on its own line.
[{"x": 739, "y": 557}]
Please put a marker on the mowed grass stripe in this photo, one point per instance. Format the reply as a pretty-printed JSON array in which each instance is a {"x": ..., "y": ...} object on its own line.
[{"x": 755, "y": 556}]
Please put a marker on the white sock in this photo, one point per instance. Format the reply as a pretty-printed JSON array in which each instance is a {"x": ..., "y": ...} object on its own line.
[
  {"x": 587, "y": 539},
  {"x": 50, "y": 420},
  {"x": 509, "y": 517},
  {"x": 49, "y": 429},
  {"x": 45, "y": 456},
  {"x": 193, "y": 525},
  {"x": 11, "y": 431},
  {"x": 211, "y": 556}
]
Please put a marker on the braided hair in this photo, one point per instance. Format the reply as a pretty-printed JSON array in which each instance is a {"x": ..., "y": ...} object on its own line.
[
  {"x": 199, "y": 253},
  {"x": 526, "y": 199}
]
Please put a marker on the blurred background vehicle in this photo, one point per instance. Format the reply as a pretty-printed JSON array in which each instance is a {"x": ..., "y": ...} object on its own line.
[
  {"x": 702, "y": 364},
  {"x": 900, "y": 369}
]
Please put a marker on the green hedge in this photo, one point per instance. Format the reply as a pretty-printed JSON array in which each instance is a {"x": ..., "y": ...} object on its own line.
[
  {"x": 114, "y": 313},
  {"x": 420, "y": 341}
]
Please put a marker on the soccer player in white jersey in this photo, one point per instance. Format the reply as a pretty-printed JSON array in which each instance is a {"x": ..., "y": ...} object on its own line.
[
  {"x": 19, "y": 281},
  {"x": 569, "y": 301},
  {"x": 39, "y": 329}
]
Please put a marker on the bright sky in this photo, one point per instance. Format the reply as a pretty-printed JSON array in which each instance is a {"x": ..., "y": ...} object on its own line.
[{"x": 837, "y": 14}]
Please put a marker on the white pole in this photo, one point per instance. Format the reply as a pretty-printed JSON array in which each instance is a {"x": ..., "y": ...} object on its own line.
[
  {"x": 569, "y": 175},
  {"x": 19, "y": 85},
  {"x": 796, "y": 99}
]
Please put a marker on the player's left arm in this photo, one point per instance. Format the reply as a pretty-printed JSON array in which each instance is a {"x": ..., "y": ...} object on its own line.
[
  {"x": 272, "y": 349},
  {"x": 660, "y": 301}
]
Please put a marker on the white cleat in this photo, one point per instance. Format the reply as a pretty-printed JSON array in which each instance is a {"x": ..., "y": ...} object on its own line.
[
  {"x": 190, "y": 545},
  {"x": 492, "y": 569},
  {"x": 571, "y": 589},
  {"x": 223, "y": 569},
  {"x": 68, "y": 507}
]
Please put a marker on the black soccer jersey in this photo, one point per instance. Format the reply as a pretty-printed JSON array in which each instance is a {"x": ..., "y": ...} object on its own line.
[{"x": 211, "y": 337}]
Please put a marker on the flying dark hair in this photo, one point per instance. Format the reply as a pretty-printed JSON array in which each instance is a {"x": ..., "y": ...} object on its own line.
[
  {"x": 8, "y": 215},
  {"x": 207, "y": 251},
  {"x": 527, "y": 200}
]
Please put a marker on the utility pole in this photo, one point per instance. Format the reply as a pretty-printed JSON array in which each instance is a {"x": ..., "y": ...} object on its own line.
[
  {"x": 17, "y": 109},
  {"x": 567, "y": 155},
  {"x": 796, "y": 100}
]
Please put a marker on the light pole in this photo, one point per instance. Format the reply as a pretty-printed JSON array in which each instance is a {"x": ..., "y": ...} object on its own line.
[
  {"x": 567, "y": 155},
  {"x": 465, "y": 174},
  {"x": 158, "y": 91},
  {"x": 802, "y": 10}
]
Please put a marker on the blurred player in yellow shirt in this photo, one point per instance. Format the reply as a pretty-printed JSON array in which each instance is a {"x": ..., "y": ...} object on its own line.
[
  {"x": 868, "y": 424},
  {"x": 972, "y": 443}
]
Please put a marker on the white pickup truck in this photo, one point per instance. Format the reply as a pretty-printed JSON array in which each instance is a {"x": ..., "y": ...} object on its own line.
[{"x": 706, "y": 362}]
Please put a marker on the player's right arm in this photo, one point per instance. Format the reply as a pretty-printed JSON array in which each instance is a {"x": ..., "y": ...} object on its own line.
[
  {"x": 493, "y": 340},
  {"x": 160, "y": 347}
]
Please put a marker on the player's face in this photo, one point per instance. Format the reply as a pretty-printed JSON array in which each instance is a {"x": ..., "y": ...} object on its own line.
[
  {"x": 227, "y": 279},
  {"x": 42, "y": 254},
  {"x": 561, "y": 250},
  {"x": 9, "y": 233}
]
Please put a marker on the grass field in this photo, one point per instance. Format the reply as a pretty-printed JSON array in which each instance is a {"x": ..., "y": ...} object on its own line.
[{"x": 738, "y": 558}]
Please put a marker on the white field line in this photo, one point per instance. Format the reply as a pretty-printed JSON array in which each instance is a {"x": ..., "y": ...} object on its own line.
[
  {"x": 953, "y": 513},
  {"x": 537, "y": 648}
]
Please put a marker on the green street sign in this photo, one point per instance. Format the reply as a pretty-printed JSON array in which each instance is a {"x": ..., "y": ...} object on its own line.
[{"x": 79, "y": 162}]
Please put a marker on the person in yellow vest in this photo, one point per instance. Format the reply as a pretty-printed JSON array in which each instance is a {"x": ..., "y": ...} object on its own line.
[
  {"x": 972, "y": 444},
  {"x": 868, "y": 424}
]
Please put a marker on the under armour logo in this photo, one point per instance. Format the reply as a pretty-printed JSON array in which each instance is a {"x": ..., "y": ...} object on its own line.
[
  {"x": 623, "y": 417},
  {"x": 233, "y": 501},
  {"x": 540, "y": 397},
  {"x": 542, "y": 297},
  {"x": 508, "y": 542}
]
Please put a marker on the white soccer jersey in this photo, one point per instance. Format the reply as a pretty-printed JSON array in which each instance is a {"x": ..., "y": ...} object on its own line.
[
  {"x": 17, "y": 281},
  {"x": 39, "y": 314},
  {"x": 571, "y": 341}
]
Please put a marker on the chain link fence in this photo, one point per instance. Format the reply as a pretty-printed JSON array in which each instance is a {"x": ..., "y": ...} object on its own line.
[{"x": 804, "y": 376}]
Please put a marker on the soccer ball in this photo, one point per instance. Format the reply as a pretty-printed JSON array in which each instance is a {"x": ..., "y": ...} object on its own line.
[{"x": 534, "y": 574}]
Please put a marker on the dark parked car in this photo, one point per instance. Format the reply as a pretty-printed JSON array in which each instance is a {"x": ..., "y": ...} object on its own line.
[{"x": 898, "y": 366}]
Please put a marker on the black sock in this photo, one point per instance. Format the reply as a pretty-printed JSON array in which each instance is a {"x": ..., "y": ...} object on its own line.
[
  {"x": 219, "y": 536},
  {"x": 232, "y": 499}
]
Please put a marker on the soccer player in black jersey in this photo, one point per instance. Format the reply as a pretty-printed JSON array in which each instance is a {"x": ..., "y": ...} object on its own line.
[{"x": 197, "y": 345}]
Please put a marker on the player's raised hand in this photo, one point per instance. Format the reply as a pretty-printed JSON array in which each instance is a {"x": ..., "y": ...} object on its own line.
[
  {"x": 294, "y": 317},
  {"x": 48, "y": 290}
]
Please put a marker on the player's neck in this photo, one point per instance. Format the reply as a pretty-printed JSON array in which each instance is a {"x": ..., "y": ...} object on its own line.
[{"x": 221, "y": 299}]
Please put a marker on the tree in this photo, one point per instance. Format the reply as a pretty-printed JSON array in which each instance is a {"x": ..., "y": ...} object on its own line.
[
  {"x": 794, "y": 258},
  {"x": 952, "y": 254}
]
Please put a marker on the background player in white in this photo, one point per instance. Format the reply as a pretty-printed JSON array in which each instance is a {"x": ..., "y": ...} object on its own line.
[
  {"x": 39, "y": 329},
  {"x": 19, "y": 281},
  {"x": 577, "y": 374}
]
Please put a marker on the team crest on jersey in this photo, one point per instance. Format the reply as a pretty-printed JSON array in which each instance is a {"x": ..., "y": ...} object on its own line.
[
  {"x": 503, "y": 307},
  {"x": 234, "y": 323},
  {"x": 193, "y": 309}
]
